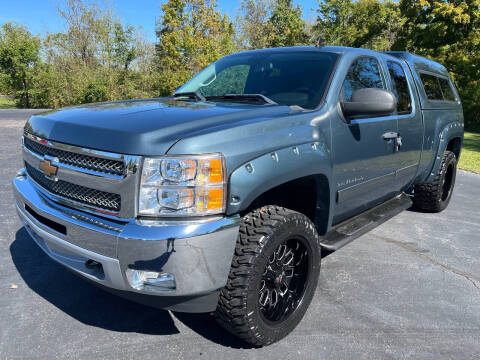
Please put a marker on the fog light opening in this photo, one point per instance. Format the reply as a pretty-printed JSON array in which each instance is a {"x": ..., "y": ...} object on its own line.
[
  {"x": 144, "y": 280},
  {"x": 92, "y": 264}
]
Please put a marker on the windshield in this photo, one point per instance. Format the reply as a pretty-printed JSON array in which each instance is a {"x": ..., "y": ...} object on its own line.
[{"x": 288, "y": 78}]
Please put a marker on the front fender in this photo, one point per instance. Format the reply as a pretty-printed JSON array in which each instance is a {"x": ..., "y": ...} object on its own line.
[
  {"x": 449, "y": 132},
  {"x": 265, "y": 172}
]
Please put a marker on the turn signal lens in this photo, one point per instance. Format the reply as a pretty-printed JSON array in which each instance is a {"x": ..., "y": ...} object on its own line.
[
  {"x": 216, "y": 171},
  {"x": 215, "y": 199}
]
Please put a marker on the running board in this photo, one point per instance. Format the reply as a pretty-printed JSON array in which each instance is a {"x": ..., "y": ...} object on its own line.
[{"x": 349, "y": 230}]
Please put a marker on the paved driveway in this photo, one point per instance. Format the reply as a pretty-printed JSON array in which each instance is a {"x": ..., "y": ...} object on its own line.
[{"x": 408, "y": 289}]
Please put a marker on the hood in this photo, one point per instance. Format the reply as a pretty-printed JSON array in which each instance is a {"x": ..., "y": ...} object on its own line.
[{"x": 143, "y": 127}]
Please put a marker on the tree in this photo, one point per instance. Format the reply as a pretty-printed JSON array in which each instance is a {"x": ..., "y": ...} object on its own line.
[
  {"x": 285, "y": 27},
  {"x": 96, "y": 58},
  {"x": 365, "y": 23},
  {"x": 19, "y": 55},
  {"x": 86, "y": 25},
  {"x": 333, "y": 21},
  {"x": 251, "y": 21},
  {"x": 124, "y": 47},
  {"x": 447, "y": 31},
  {"x": 191, "y": 34}
]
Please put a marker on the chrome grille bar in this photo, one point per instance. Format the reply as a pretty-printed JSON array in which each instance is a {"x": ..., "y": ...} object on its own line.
[
  {"x": 99, "y": 164},
  {"x": 82, "y": 194}
]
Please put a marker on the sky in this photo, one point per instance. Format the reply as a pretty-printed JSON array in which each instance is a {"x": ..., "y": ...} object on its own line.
[{"x": 40, "y": 16}]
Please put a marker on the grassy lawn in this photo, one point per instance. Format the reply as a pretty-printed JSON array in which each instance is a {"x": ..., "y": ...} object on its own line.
[
  {"x": 470, "y": 157},
  {"x": 6, "y": 103}
]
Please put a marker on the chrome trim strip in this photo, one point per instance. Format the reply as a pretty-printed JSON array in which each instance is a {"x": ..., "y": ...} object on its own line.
[
  {"x": 59, "y": 164},
  {"x": 406, "y": 169},
  {"x": 353, "y": 191},
  {"x": 81, "y": 178},
  {"x": 94, "y": 221},
  {"x": 124, "y": 158},
  {"x": 74, "y": 148}
]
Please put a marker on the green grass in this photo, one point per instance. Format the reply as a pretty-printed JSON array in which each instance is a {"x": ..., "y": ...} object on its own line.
[
  {"x": 6, "y": 103},
  {"x": 470, "y": 157}
]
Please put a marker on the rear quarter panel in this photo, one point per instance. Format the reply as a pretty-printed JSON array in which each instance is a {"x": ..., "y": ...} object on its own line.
[{"x": 442, "y": 120}]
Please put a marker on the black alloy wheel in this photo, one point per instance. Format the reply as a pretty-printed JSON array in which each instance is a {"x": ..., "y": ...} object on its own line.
[
  {"x": 273, "y": 276},
  {"x": 448, "y": 181},
  {"x": 283, "y": 281}
]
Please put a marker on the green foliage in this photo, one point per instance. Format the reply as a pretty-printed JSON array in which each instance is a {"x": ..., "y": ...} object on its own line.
[
  {"x": 229, "y": 81},
  {"x": 95, "y": 92},
  {"x": 251, "y": 19},
  {"x": 470, "y": 157},
  {"x": 448, "y": 32},
  {"x": 19, "y": 53},
  {"x": 191, "y": 35},
  {"x": 123, "y": 47},
  {"x": 6, "y": 103},
  {"x": 270, "y": 23},
  {"x": 285, "y": 27},
  {"x": 371, "y": 24},
  {"x": 99, "y": 58}
]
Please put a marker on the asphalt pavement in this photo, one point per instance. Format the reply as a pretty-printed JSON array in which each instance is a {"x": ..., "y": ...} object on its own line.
[{"x": 410, "y": 289}]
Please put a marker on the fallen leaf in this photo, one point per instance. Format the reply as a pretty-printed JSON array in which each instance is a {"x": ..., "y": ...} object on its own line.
[{"x": 13, "y": 286}]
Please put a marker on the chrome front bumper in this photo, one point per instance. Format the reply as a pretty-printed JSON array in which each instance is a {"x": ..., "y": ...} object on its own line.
[{"x": 197, "y": 253}]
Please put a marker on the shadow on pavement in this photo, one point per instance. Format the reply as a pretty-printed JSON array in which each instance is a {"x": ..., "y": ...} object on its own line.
[
  {"x": 96, "y": 307},
  {"x": 80, "y": 299},
  {"x": 205, "y": 325}
]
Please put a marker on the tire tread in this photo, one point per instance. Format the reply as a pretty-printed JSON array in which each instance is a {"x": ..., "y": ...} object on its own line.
[
  {"x": 231, "y": 312},
  {"x": 427, "y": 195}
]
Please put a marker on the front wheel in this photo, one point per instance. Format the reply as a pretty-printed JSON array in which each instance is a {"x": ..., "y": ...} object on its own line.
[{"x": 273, "y": 276}]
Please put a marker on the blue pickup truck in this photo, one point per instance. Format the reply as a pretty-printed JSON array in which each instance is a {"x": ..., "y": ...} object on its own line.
[{"x": 225, "y": 196}]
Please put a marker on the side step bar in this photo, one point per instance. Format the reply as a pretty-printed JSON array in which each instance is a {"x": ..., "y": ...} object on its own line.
[{"x": 347, "y": 231}]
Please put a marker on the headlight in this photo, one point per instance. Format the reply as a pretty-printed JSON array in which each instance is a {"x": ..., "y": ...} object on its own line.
[{"x": 183, "y": 185}]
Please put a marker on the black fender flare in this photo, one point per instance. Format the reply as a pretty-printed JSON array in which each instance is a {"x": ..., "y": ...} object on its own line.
[
  {"x": 449, "y": 132},
  {"x": 255, "y": 177}
]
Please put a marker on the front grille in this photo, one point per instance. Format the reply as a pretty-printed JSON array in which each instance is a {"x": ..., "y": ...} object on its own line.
[
  {"x": 108, "y": 166},
  {"x": 81, "y": 194}
]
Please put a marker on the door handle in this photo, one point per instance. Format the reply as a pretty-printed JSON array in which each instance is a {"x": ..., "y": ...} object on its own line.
[{"x": 392, "y": 135}]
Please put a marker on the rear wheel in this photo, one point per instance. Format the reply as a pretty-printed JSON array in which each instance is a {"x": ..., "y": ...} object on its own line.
[
  {"x": 273, "y": 276},
  {"x": 435, "y": 196}
]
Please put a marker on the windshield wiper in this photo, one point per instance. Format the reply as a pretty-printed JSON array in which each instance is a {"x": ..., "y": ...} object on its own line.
[
  {"x": 243, "y": 98},
  {"x": 190, "y": 95}
]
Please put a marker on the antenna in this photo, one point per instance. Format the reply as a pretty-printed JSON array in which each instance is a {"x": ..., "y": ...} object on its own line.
[{"x": 320, "y": 42}]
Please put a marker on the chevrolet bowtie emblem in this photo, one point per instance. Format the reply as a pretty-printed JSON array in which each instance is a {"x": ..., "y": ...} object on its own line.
[{"x": 47, "y": 168}]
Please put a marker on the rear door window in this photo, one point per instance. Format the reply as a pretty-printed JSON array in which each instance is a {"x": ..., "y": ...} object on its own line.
[
  {"x": 437, "y": 88},
  {"x": 448, "y": 94},
  {"x": 432, "y": 87},
  {"x": 400, "y": 87}
]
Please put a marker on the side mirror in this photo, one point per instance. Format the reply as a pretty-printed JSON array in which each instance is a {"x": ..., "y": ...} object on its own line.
[{"x": 370, "y": 101}]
